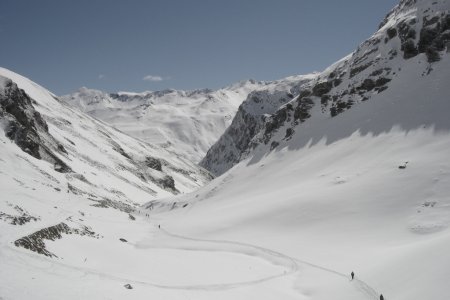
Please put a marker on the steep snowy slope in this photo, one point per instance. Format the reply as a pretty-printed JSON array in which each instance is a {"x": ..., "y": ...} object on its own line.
[
  {"x": 89, "y": 152},
  {"x": 414, "y": 33},
  {"x": 185, "y": 122},
  {"x": 70, "y": 227},
  {"x": 248, "y": 121},
  {"x": 56, "y": 161},
  {"x": 329, "y": 182},
  {"x": 366, "y": 189}
]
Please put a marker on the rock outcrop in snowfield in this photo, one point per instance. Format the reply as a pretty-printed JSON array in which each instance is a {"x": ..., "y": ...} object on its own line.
[
  {"x": 184, "y": 122},
  {"x": 414, "y": 32}
]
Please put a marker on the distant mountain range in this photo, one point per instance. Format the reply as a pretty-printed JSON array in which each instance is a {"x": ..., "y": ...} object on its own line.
[{"x": 184, "y": 122}]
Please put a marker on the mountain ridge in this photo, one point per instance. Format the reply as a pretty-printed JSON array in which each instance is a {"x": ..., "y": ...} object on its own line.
[
  {"x": 185, "y": 122},
  {"x": 412, "y": 29}
]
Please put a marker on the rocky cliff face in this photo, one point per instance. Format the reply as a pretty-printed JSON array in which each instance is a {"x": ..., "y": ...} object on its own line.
[
  {"x": 414, "y": 32},
  {"x": 26, "y": 127},
  {"x": 250, "y": 119}
]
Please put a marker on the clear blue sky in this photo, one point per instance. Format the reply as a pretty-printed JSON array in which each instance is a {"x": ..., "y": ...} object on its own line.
[{"x": 184, "y": 44}]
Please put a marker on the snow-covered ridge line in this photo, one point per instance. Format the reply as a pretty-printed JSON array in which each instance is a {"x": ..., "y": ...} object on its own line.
[
  {"x": 82, "y": 148},
  {"x": 414, "y": 32},
  {"x": 184, "y": 122}
]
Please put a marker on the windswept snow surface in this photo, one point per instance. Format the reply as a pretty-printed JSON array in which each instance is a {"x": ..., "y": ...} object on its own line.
[{"x": 184, "y": 122}]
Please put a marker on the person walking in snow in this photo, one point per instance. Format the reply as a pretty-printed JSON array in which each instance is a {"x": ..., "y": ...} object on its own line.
[
  {"x": 381, "y": 297},
  {"x": 353, "y": 276}
]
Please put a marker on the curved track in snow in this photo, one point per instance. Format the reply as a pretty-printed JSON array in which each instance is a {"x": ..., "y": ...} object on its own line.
[
  {"x": 360, "y": 284},
  {"x": 290, "y": 264}
]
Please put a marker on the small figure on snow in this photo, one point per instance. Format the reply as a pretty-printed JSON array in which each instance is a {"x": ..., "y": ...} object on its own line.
[
  {"x": 159, "y": 226},
  {"x": 353, "y": 275},
  {"x": 381, "y": 297}
]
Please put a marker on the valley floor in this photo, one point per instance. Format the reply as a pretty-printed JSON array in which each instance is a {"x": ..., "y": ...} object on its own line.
[{"x": 163, "y": 265}]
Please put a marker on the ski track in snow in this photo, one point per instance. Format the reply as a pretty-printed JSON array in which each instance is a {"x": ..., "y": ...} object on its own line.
[
  {"x": 360, "y": 284},
  {"x": 291, "y": 263}
]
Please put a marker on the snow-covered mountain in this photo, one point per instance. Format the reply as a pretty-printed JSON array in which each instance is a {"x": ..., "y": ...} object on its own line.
[
  {"x": 358, "y": 181},
  {"x": 184, "y": 122},
  {"x": 248, "y": 121},
  {"x": 414, "y": 36},
  {"x": 53, "y": 156},
  {"x": 344, "y": 170}
]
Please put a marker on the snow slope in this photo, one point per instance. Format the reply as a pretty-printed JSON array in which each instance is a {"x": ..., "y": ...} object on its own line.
[
  {"x": 184, "y": 122},
  {"x": 365, "y": 190},
  {"x": 337, "y": 198},
  {"x": 71, "y": 227},
  {"x": 415, "y": 32},
  {"x": 364, "y": 186}
]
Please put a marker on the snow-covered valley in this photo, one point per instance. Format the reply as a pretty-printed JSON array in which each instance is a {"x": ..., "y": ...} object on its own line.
[
  {"x": 184, "y": 122},
  {"x": 317, "y": 176}
]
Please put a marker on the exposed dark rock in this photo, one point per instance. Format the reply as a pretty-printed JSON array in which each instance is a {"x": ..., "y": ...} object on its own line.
[
  {"x": 359, "y": 60},
  {"x": 405, "y": 31},
  {"x": 24, "y": 120},
  {"x": 304, "y": 93},
  {"x": 337, "y": 82},
  {"x": 392, "y": 54},
  {"x": 273, "y": 145},
  {"x": 35, "y": 241},
  {"x": 24, "y": 125},
  {"x": 128, "y": 286},
  {"x": 427, "y": 36},
  {"x": 377, "y": 72},
  {"x": 153, "y": 163},
  {"x": 434, "y": 37},
  {"x": 432, "y": 55},
  {"x": 339, "y": 107},
  {"x": 119, "y": 149},
  {"x": 277, "y": 120},
  {"x": 62, "y": 149},
  {"x": 403, "y": 166},
  {"x": 428, "y": 22},
  {"x": 368, "y": 85},
  {"x": 123, "y": 240},
  {"x": 21, "y": 219},
  {"x": 303, "y": 108},
  {"x": 391, "y": 32},
  {"x": 322, "y": 88},
  {"x": 381, "y": 89},
  {"x": 108, "y": 203},
  {"x": 131, "y": 217},
  {"x": 289, "y": 133},
  {"x": 381, "y": 81},
  {"x": 409, "y": 49},
  {"x": 358, "y": 69},
  {"x": 325, "y": 99},
  {"x": 167, "y": 182}
]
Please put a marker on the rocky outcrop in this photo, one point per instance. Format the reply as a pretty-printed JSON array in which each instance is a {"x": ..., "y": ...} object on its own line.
[
  {"x": 26, "y": 127},
  {"x": 153, "y": 163},
  {"x": 412, "y": 28},
  {"x": 36, "y": 241},
  {"x": 251, "y": 118},
  {"x": 20, "y": 218}
]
